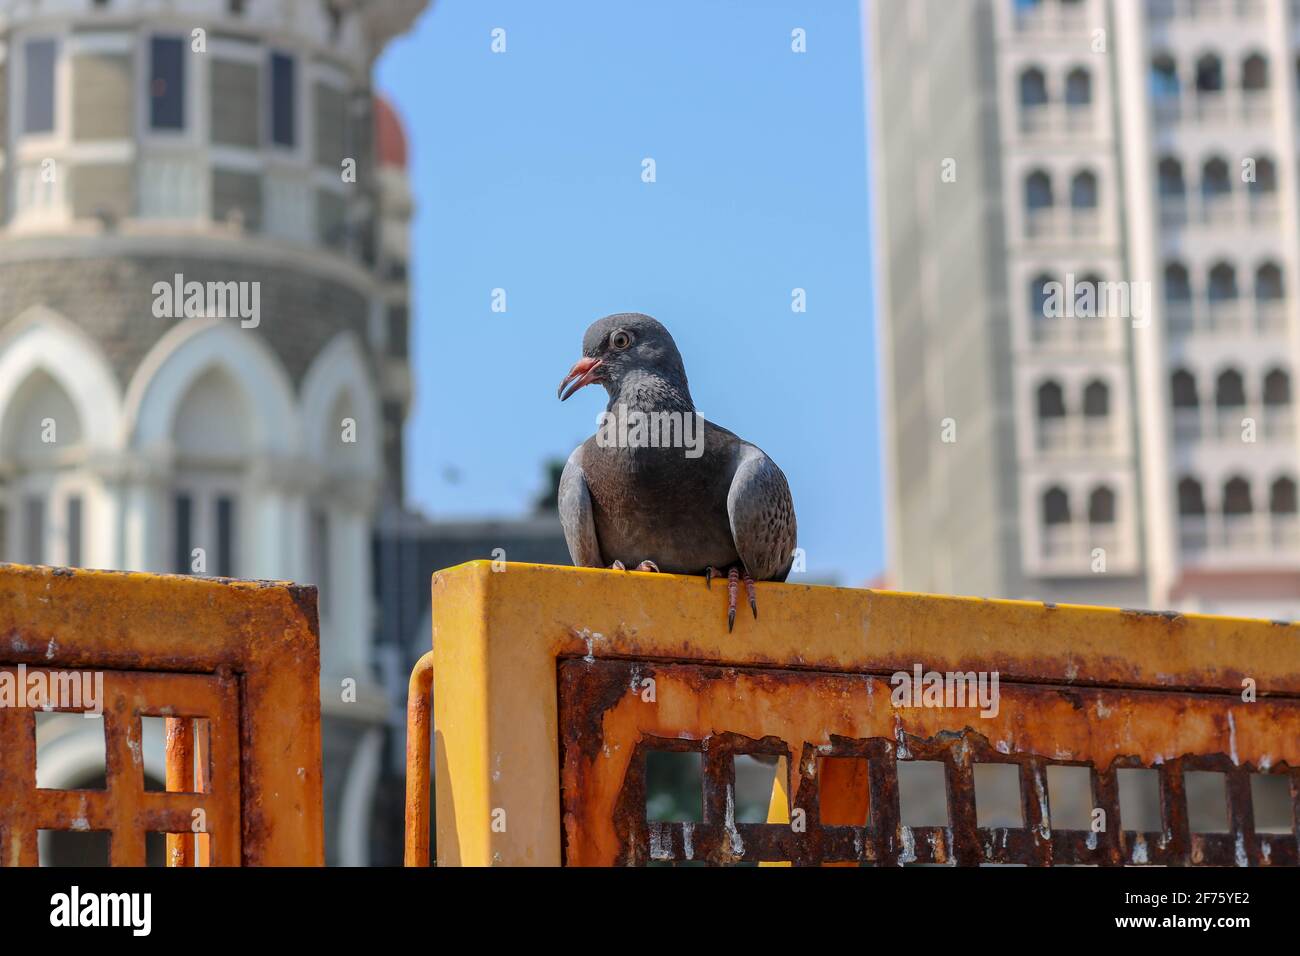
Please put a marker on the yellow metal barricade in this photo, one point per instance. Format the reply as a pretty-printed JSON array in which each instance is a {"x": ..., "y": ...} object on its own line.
[
  {"x": 551, "y": 685},
  {"x": 234, "y": 669}
]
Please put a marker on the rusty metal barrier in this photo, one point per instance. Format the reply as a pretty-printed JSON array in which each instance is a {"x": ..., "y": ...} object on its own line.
[
  {"x": 542, "y": 720},
  {"x": 233, "y": 667}
]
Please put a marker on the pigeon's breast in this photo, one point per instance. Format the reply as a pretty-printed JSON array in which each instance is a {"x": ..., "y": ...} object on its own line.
[{"x": 657, "y": 504}]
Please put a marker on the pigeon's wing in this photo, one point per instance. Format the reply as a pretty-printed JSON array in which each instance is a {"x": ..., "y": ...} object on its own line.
[
  {"x": 576, "y": 517},
  {"x": 762, "y": 515}
]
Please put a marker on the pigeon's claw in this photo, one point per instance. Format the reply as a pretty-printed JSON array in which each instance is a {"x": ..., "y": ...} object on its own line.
[
  {"x": 648, "y": 565},
  {"x": 618, "y": 566},
  {"x": 709, "y": 575},
  {"x": 749, "y": 590},
  {"x": 733, "y": 579}
]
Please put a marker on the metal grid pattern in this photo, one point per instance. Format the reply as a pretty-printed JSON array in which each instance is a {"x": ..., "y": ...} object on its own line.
[
  {"x": 234, "y": 669},
  {"x": 124, "y": 808},
  {"x": 604, "y": 718}
]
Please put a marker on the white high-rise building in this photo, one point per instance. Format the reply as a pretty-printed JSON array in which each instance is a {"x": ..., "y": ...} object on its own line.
[{"x": 1087, "y": 241}]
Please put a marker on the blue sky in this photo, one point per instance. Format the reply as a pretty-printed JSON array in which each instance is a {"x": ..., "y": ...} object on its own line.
[{"x": 526, "y": 167}]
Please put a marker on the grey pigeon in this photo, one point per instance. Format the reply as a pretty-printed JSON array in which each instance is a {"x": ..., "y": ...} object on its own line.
[{"x": 680, "y": 495}]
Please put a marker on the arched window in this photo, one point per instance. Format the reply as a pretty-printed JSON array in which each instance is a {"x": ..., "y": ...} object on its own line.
[
  {"x": 212, "y": 442},
  {"x": 1236, "y": 497},
  {"x": 1051, "y": 401},
  {"x": 1164, "y": 77},
  {"x": 1101, "y": 506},
  {"x": 1038, "y": 190},
  {"x": 1056, "y": 507},
  {"x": 1254, "y": 73},
  {"x": 1277, "y": 387},
  {"x": 1215, "y": 181},
  {"x": 1191, "y": 500},
  {"x": 1282, "y": 497},
  {"x": 1171, "y": 183},
  {"x": 1087, "y": 296},
  {"x": 1083, "y": 190},
  {"x": 1096, "y": 399},
  {"x": 1183, "y": 386},
  {"x": 1229, "y": 390},
  {"x": 1209, "y": 74},
  {"x": 42, "y": 500},
  {"x": 1078, "y": 87},
  {"x": 1265, "y": 178},
  {"x": 1178, "y": 284},
  {"x": 1223, "y": 282},
  {"x": 1033, "y": 87},
  {"x": 1268, "y": 282},
  {"x": 1039, "y": 294}
]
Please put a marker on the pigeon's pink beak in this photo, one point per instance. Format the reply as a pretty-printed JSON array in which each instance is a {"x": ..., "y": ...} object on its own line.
[{"x": 583, "y": 373}]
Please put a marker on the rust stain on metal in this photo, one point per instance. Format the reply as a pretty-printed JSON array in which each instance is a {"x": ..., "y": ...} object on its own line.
[
  {"x": 608, "y": 730},
  {"x": 233, "y": 666},
  {"x": 123, "y": 807},
  {"x": 419, "y": 724},
  {"x": 529, "y": 716}
]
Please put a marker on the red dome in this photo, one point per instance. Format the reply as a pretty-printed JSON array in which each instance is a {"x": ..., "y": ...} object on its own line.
[{"x": 390, "y": 139}]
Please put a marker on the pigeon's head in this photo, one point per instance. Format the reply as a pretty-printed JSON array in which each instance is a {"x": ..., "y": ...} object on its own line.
[{"x": 626, "y": 347}]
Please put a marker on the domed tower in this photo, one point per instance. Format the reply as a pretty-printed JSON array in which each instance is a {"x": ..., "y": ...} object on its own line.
[{"x": 203, "y": 363}]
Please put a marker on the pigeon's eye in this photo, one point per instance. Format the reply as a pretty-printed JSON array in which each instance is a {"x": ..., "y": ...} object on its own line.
[{"x": 620, "y": 339}]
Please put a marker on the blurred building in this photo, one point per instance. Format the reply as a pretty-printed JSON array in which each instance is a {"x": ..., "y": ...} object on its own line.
[
  {"x": 203, "y": 315},
  {"x": 1041, "y": 167},
  {"x": 409, "y": 548}
]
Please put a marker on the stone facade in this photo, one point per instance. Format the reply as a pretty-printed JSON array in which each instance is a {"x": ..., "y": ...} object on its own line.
[
  {"x": 180, "y": 431},
  {"x": 112, "y": 300}
]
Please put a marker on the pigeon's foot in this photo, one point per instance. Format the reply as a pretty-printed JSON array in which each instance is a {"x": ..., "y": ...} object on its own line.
[
  {"x": 646, "y": 565},
  {"x": 734, "y": 576}
]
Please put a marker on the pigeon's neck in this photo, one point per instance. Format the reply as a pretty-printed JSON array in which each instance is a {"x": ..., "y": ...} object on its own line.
[{"x": 649, "y": 392}]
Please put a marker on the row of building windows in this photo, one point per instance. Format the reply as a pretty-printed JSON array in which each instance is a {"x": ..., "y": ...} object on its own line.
[
  {"x": 1230, "y": 389},
  {"x": 1051, "y": 399},
  {"x": 1220, "y": 306},
  {"x": 1215, "y": 303},
  {"x": 1221, "y": 282},
  {"x": 1252, "y": 76},
  {"x": 1034, "y": 92},
  {"x": 203, "y": 535},
  {"x": 166, "y": 80},
  {"x": 1229, "y": 396},
  {"x": 1236, "y": 498},
  {"x": 1216, "y": 177},
  {"x": 1216, "y": 184},
  {"x": 1209, "y": 74},
  {"x": 1060, "y": 432},
  {"x": 1232, "y": 412},
  {"x": 1100, "y": 508},
  {"x": 1039, "y": 192}
]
